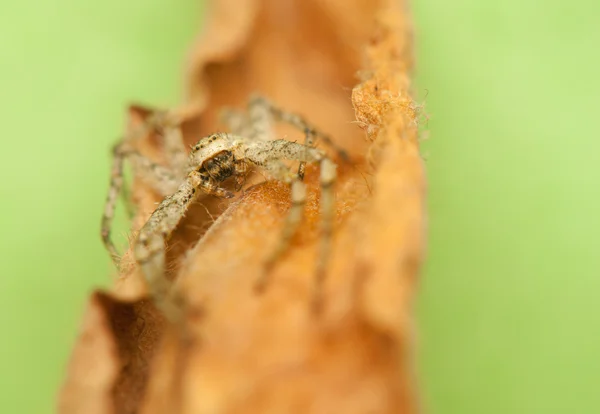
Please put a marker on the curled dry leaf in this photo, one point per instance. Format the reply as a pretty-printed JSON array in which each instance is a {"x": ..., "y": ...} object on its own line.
[{"x": 344, "y": 65}]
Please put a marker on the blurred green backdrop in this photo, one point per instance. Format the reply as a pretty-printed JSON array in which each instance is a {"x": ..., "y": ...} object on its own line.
[
  {"x": 68, "y": 68},
  {"x": 508, "y": 311}
]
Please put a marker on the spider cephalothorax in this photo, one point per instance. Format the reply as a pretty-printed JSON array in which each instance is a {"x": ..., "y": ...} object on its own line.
[
  {"x": 213, "y": 160},
  {"x": 216, "y": 158},
  {"x": 221, "y": 166}
]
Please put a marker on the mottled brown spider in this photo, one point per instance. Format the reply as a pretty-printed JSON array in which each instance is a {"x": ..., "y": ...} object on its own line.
[{"x": 212, "y": 160}]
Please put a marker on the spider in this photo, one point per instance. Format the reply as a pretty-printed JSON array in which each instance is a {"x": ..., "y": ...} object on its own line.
[{"x": 213, "y": 160}]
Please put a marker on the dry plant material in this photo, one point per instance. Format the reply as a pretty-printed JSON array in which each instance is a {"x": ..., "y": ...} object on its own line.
[{"x": 242, "y": 352}]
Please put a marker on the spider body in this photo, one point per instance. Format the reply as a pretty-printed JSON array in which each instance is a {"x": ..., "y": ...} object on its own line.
[
  {"x": 213, "y": 160},
  {"x": 210, "y": 147},
  {"x": 221, "y": 166},
  {"x": 216, "y": 158}
]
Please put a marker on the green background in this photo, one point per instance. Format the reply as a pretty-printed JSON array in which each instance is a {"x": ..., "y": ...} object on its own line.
[{"x": 508, "y": 310}]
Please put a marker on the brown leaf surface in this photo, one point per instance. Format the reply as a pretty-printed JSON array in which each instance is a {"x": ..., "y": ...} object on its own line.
[{"x": 247, "y": 353}]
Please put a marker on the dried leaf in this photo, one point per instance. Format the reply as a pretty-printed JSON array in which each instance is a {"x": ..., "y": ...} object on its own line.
[{"x": 242, "y": 352}]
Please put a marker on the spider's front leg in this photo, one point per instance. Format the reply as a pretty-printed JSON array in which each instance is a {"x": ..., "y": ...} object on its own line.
[
  {"x": 116, "y": 185},
  {"x": 163, "y": 180},
  {"x": 160, "y": 178},
  {"x": 149, "y": 249}
]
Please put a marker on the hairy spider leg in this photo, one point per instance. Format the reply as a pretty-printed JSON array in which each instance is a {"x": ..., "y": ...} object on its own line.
[
  {"x": 237, "y": 122},
  {"x": 259, "y": 126},
  {"x": 261, "y": 117},
  {"x": 297, "y": 121},
  {"x": 162, "y": 179},
  {"x": 327, "y": 179},
  {"x": 290, "y": 228},
  {"x": 175, "y": 150},
  {"x": 268, "y": 155},
  {"x": 167, "y": 124},
  {"x": 261, "y": 122},
  {"x": 149, "y": 248},
  {"x": 141, "y": 130},
  {"x": 159, "y": 178},
  {"x": 308, "y": 142},
  {"x": 116, "y": 183}
]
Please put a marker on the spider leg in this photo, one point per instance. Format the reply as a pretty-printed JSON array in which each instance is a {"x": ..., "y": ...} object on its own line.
[
  {"x": 327, "y": 179},
  {"x": 168, "y": 124},
  {"x": 149, "y": 248},
  {"x": 176, "y": 154},
  {"x": 256, "y": 126},
  {"x": 261, "y": 116},
  {"x": 116, "y": 183},
  {"x": 158, "y": 177},
  {"x": 261, "y": 121},
  {"x": 241, "y": 173},
  {"x": 267, "y": 155},
  {"x": 161, "y": 179},
  {"x": 117, "y": 187},
  {"x": 298, "y": 122},
  {"x": 126, "y": 198},
  {"x": 236, "y": 121},
  {"x": 308, "y": 142},
  {"x": 292, "y": 220}
]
